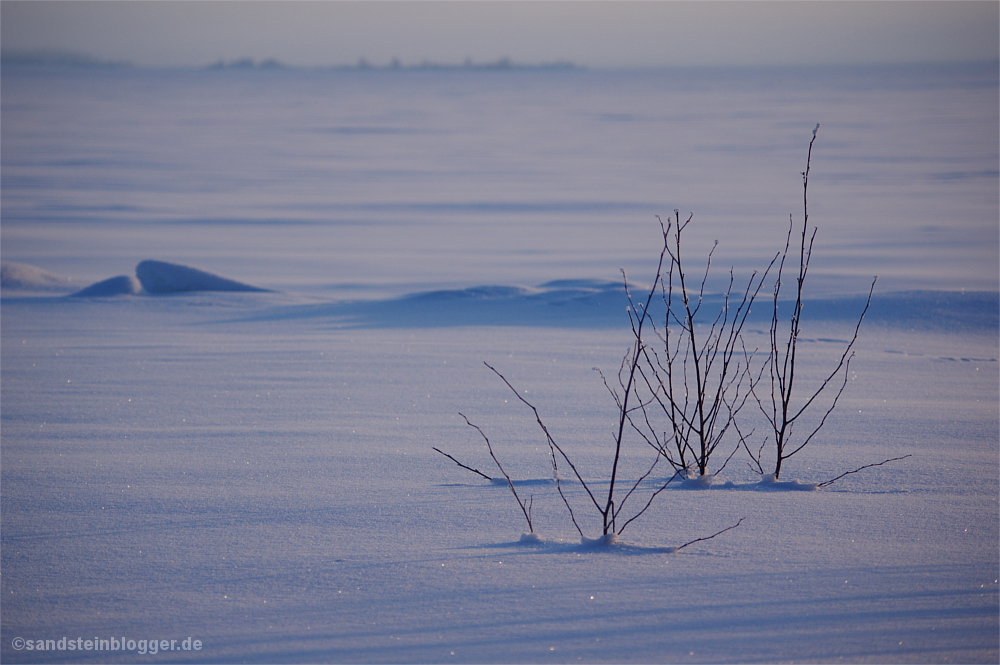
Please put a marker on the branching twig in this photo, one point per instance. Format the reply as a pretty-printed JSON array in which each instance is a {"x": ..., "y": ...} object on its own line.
[
  {"x": 866, "y": 466},
  {"x": 553, "y": 446},
  {"x": 701, "y": 381},
  {"x": 777, "y": 407},
  {"x": 462, "y": 465},
  {"x": 698, "y": 540},
  {"x": 525, "y": 507},
  {"x": 652, "y": 496},
  {"x": 562, "y": 495},
  {"x": 611, "y": 506},
  {"x": 684, "y": 398}
]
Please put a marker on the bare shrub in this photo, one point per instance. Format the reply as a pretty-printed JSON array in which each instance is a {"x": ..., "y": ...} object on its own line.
[
  {"x": 697, "y": 379},
  {"x": 610, "y": 505},
  {"x": 781, "y": 404}
]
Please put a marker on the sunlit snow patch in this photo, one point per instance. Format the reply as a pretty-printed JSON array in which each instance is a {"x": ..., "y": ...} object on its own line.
[
  {"x": 488, "y": 292},
  {"x": 159, "y": 277}
]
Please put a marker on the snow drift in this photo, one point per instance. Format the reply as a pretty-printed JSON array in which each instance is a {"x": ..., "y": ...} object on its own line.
[
  {"x": 24, "y": 277},
  {"x": 152, "y": 277},
  {"x": 161, "y": 277},
  {"x": 587, "y": 303},
  {"x": 114, "y": 286}
]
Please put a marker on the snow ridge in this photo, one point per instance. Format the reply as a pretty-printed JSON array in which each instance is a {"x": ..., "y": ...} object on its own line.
[{"x": 152, "y": 277}]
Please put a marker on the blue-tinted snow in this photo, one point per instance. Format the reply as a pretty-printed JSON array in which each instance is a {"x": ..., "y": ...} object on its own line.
[
  {"x": 255, "y": 469},
  {"x": 516, "y": 177}
]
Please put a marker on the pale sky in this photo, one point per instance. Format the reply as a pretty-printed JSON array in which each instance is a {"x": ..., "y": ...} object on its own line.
[{"x": 602, "y": 34}]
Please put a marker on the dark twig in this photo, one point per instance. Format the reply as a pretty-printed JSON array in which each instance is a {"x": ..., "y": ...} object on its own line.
[
  {"x": 701, "y": 380},
  {"x": 462, "y": 465},
  {"x": 649, "y": 502},
  {"x": 553, "y": 446},
  {"x": 609, "y": 507},
  {"x": 777, "y": 407},
  {"x": 562, "y": 495},
  {"x": 866, "y": 466},
  {"x": 525, "y": 507},
  {"x": 698, "y": 540}
]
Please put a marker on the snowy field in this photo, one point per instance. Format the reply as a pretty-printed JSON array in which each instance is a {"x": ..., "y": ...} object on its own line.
[{"x": 254, "y": 469}]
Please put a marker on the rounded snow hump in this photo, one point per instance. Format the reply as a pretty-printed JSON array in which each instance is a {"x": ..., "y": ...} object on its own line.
[
  {"x": 114, "y": 286},
  {"x": 161, "y": 277}
]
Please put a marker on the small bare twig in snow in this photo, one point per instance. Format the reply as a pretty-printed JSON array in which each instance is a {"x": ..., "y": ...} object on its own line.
[
  {"x": 866, "y": 466},
  {"x": 469, "y": 468},
  {"x": 523, "y": 505},
  {"x": 698, "y": 540}
]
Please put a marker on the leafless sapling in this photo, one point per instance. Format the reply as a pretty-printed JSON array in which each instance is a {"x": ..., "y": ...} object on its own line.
[
  {"x": 779, "y": 405},
  {"x": 611, "y": 505},
  {"x": 698, "y": 380}
]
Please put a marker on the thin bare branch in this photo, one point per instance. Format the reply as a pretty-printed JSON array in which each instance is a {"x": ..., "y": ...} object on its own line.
[
  {"x": 701, "y": 381},
  {"x": 548, "y": 437},
  {"x": 525, "y": 509},
  {"x": 860, "y": 468},
  {"x": 698, "y": 540},
  {"x": 779, "y": 410},
  {"x": 476, "y": 471},
  {"x": 562, "y": 495},
  {"x": 649, "y": 502}
]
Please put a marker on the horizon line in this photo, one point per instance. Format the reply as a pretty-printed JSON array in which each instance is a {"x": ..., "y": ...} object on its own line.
[{"x": 72, "y": 59}]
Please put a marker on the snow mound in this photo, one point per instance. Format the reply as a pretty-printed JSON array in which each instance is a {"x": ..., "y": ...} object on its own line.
[
  {"x": 596, "y": 303},
  {"x": 601, "y": 541},
  {"x": 584, "y": 284},
  {"x": 159, "y": 277},
  {"x": 24, "y": 277},
  {"x": 768, "y": 482},
  {"x": 706, "y": 482},
  {"x": 564, "y": 303},
  {"x": 610, "y": 543},
  {"x": 115, "y": 286},
  {"x": 488, "y": 292}
]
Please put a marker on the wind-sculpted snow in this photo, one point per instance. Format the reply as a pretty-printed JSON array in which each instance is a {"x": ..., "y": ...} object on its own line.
[
  {"x": 161, "y": 277},
  {"x": 24, "y": 277},
  {"x": 915, "y": 309},
  {"x": 152, "y": 277},
  {"x": 570, "y": 303},
  {"x": 609, "y": 544},
  {"x": 767, "y": 483},
  {"x": 114, "y": 286},
  {"x": 763, "y": 483},
  {"x": 574, "y": 304},
  {"x": 604, "y": 304}
]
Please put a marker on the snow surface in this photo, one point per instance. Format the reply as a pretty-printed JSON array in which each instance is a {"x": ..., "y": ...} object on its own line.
[
  {"x": 255, "y": 469},
  {"x": 22, "y": 277},
  {"x": 161, "y": 277},
  {"x": 270, "y": 488},
  {"x": 122, "y": 285}
]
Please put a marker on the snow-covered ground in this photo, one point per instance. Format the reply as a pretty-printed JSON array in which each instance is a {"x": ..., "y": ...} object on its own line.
[{"x": 255, "y": 469}]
